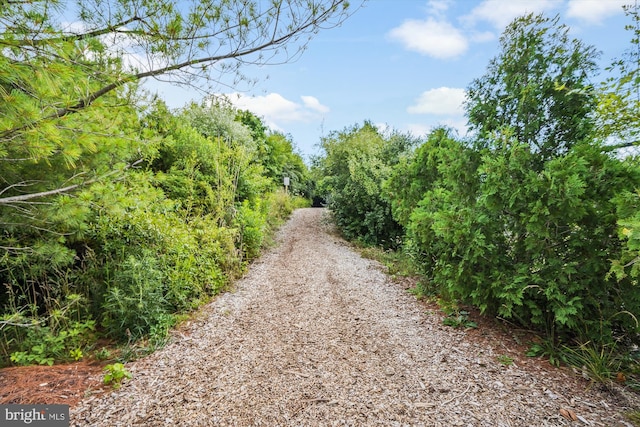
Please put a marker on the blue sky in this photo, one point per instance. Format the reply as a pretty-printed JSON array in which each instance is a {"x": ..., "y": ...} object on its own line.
[{"x": 402, "y": 64}]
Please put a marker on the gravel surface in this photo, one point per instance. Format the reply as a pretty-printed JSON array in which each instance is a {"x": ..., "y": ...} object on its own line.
[{"x": 315, "y": 335}]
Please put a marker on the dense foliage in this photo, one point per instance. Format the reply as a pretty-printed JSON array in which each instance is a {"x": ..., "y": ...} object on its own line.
[
  {"x": 533, "y": 217},
  {"x": 355, "y": 164},
  {"x": 538, "y": 86},
  {"x": 125, "y": 254},
  {"x": 117, "y": 214}
]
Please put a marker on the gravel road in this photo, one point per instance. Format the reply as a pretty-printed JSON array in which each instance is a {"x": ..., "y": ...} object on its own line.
[{"x": 315, "y": 335}]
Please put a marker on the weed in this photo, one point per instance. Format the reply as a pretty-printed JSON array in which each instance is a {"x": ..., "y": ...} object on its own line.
[
  {"x": 456, "y": 317},
  {"x": 115, "y": 374},
  {"x": 598, "y": 363},
  {"x": 505, "y": 360},
  {"x": 459, "y": 319},
  {"x": 76, "y": 354},
  {"x": 37, "y": 355},
  {"x": 548, "y": 349},
  {"x": 399, "y": 263},
  {"x": 103, "y": 354},
  {"x": 42, "y": 346},
  {"x": 634, "y": 417},
  {"x": 418, "y": 292}
]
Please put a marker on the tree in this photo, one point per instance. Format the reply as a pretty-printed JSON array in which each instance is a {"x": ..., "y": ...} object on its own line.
[
  {"x": 355, "y": 164},
  {"x": 276, "y": 154},
  {"x": 439, "y": 162},
  {"x": 545, "y": 215},
  {"x": 619, "y": 120},
  {"x": 619, "y": 98},
  {"x": 51, "y": 71},
  {"x": 538, "y": 86}
]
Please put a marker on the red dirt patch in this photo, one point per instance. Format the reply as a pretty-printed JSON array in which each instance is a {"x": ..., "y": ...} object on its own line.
[{"x": 58, "y": 384}]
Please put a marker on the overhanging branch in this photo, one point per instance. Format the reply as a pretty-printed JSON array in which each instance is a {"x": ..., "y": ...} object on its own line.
[
  {"x": 26, "y": 198},
  {"x": 81, "y": 104}
]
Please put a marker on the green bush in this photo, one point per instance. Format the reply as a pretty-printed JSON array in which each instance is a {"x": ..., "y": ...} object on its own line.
[
  {"x": 252, "y": 222},
  {"x": 357, "y": 161},
  {"x": 44, "y": 346},
  {"x": 529, "y": 244},
  {"x": 135, "y": 300},
  {"x": 173, "y": 219}
]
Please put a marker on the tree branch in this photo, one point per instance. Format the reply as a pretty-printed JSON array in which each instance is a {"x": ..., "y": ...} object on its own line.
[
  {"x": 609, "y": 148},
  {"x": 25, "y": 198},
  {"x": 238, "y": 54},
  {"x": 71, "y": 37}
]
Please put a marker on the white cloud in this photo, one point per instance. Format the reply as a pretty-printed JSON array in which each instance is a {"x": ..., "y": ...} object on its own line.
[
  {"x": 430, "y": 37},
  {"x": 438, "y": 7},
  {"x": 312, "y": 103},
  {"x": 501, "y": 12},
  {"x": 276, "y": 109},
  {"x": 442, "y": 101},
  {"x": 482, "y": 37},
  {"x": 595, "y": 11}
]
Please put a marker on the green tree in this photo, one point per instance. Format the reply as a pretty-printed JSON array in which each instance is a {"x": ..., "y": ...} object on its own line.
[
  {"x": 538, "y": 85},
  {"x": 619, "y": 96},
  {"x": 522, "y": 222},
  {"x": 277, "y": 154},
  {"x": 619, "y": 120},
  {"x": 354, "y": 166},
  {"x": 281, "y": 160},
  {"x": 440, "y": 161}
]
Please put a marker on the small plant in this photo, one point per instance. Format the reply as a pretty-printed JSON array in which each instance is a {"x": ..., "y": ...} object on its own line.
[
  {"x": 548, "y": 349},
  {"x": 456, "y": 318},
  {"x": 43, "y": 346},
  {"x": 418, "y": 292},
  {"x": 38, "y": 355},
  {"x": 76, "y": 354},
  {"x": 600, "y": 364},
  {"x": 505, "y": 360},
  {"x": 460, "y": 319},
  {"x": 634, "y": 417},
  {"x": 103, "y": 354},
  {"x": 115, "y": 374}
]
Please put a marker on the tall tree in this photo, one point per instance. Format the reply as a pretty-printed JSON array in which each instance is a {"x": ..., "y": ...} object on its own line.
[
  {"x": 537, "y": 86},
  {"x": 538, "y": 241}
]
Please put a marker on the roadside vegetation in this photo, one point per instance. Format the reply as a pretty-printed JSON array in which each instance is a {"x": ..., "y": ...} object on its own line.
[
  {"x": 127, "y": 258},
  {"x": 120, "y": 216},
  {"x": 533, "y": 216}
]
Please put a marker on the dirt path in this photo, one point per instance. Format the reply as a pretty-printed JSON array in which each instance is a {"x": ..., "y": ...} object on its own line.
[{"x": 315, "y": 335}]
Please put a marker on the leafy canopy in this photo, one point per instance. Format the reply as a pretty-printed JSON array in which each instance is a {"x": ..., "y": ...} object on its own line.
[{"x": 538, "y": 85}]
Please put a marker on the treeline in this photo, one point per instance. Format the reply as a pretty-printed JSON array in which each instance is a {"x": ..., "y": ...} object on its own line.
[
  {"x": 535, "y": 216},
  {"x": 187, "y": 199}
]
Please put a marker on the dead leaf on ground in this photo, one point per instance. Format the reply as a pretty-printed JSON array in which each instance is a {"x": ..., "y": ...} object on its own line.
[{"x": 569, "y": 414}]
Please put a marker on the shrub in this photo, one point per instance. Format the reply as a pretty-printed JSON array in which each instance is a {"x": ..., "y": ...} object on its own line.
[
  {"x": 356, "y": 163},
  {"x": 135, "y": 301},
  {"x": 533, "y": 244}
]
